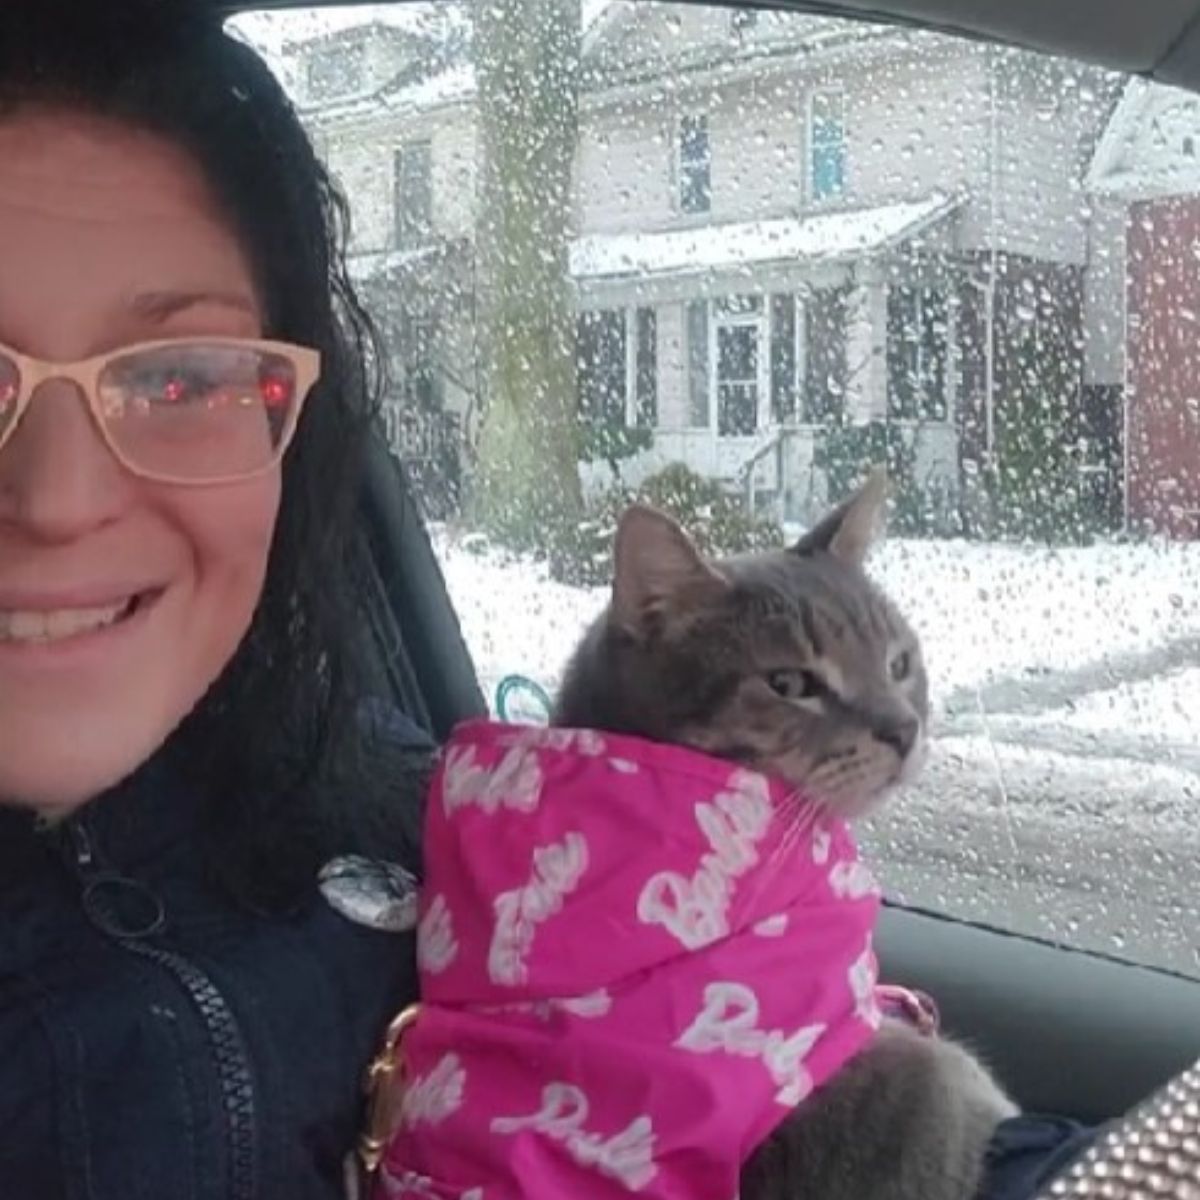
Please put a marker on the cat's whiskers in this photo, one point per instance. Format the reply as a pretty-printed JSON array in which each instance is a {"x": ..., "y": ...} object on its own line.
[
  {"x": 804, "y": 814},
  {"x": 851, "y": 781},
  {"x": 799, "y": 813},
  {"x": 784, "y": 849}
]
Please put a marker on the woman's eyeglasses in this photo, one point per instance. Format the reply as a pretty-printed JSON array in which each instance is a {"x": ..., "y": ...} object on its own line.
[{"x": 185, "y": 411}]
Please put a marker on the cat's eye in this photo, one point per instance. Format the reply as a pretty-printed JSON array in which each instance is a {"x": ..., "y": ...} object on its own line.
[
  {"x": 795, "y": 684},
  {"x": 900, "y": 667}
]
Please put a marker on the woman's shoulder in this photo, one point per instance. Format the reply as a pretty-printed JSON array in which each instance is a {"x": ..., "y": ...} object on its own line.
[
  {"x": 393, "y": 770},
  {"x": 386, "y": 721}
]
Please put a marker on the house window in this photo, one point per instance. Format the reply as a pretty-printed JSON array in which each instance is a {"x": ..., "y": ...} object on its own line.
[
  {"x": 419, "y": 366},
  {"x": 695, "y": 164},
  {"x": 918, "y": 338},
  {"x": 738, "y": 343},
  {"x": 699, "y": 414},
  {"x": 334, "y": 71},
  {"x": 725, "y": 341},
  {"x": 617, "y": 356},
  {"x": 737, "y": 378},
  {"x": 808, "y": 356},
  {"x": 824, "y": 374},
  {"x": 827, "y": 145},
  {"x": 602, "y": 365},
  {"x": 786, "y": 347},
  {"x": 645, "y": 369},
  {"x": 412, "y": 186}
]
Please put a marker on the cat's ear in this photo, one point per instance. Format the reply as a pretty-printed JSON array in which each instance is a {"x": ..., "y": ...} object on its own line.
[
  {"x": 653, "y": 562},
  {"x": 847, "y": 531}
]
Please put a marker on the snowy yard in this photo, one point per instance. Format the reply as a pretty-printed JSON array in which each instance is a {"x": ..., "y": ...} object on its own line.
[{"x": 1064, "y": 782}]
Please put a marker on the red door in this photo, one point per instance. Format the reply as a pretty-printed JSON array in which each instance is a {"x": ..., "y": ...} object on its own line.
[{"x": 1164, "y": 365}]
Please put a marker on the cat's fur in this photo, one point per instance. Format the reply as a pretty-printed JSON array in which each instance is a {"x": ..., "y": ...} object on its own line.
[{"x": 794, "y": 663}]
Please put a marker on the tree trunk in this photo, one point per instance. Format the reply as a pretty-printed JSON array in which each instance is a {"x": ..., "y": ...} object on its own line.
[{"x": 527, "y": 466}]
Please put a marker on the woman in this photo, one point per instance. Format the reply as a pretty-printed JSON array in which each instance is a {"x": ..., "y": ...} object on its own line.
[
  {"x": 181, "y": 743},
  {"x": 181, "y": 1013}
]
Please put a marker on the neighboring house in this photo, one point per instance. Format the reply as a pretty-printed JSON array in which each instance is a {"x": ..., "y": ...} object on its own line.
[
  {"x": 1148, "y": 163},
  {"x": 396, "y": 127},
  {"x": 816, "y": 222}
]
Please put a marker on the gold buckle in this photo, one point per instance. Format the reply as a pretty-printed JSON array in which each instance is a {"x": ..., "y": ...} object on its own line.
[{"x": 383, "y": 1085}]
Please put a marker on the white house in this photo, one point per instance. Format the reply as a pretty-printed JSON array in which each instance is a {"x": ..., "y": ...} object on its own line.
[{"x": 783, "y": 222}]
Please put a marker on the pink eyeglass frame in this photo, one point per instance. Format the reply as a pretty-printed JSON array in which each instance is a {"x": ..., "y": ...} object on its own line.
[{"x": 85, "y": 374}]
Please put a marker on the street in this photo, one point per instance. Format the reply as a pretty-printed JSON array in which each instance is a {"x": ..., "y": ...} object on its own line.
[{"x": 1028, "y": 822}]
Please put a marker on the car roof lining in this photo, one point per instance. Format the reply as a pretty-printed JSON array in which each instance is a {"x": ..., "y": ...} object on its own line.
[{"x": 1156, "y": 38}]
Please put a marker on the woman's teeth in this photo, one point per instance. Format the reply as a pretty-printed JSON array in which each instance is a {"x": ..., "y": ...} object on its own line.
[{"x": 54, "y": 625}]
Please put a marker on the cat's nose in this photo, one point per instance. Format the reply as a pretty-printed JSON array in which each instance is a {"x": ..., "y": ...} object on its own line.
[{"x": 901, "y": 735}]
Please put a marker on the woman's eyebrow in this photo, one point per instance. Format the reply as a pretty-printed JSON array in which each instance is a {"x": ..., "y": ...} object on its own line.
[{"x": 159, "y": 306}]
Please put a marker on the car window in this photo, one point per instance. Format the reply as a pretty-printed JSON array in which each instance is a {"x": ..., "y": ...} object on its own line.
[{"x": 727, "y": 259}]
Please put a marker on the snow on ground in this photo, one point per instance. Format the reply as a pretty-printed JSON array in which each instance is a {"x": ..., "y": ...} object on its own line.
[
  {"x": 986, "y": 612},
  {"x": 515, "y": 618},
  {"x": 1164, "y": 709},
  {"x": 1098, "y": 852},
  {"x": 1013, "y": 781},
  {"x": 983, "y": 612}
]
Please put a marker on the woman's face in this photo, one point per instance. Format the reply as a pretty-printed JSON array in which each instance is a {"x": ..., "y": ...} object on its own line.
[{"x": 109, "y": 236}]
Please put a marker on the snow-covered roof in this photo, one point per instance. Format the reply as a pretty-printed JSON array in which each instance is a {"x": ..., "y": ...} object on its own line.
[
  {"x": 276, "y": 32},
  {"x": 661, "y": 37},
  {"x": 282, "y": 37},
  {"x": 822, "y": 238},
  {"x": 1151, "y": 145},
  {"x": 287, "y": 39},
  {"x": 454, "y": 85},
  {"x": 458, "y": 83}
]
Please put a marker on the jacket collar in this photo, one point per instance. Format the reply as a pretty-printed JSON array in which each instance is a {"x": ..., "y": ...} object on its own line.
[{"x": 122, "y": 828}]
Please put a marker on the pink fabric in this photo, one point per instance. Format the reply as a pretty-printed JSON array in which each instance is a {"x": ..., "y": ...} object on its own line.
[{"x": 635, "y": 960}]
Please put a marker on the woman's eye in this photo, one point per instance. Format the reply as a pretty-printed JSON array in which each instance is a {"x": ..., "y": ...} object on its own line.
[
  {"x": 794, "y": 685},
  {"x": 901, "y": 666}
]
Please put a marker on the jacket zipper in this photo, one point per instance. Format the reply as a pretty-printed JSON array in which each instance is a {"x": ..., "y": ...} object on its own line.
[{"x": 235, "y": 1079}]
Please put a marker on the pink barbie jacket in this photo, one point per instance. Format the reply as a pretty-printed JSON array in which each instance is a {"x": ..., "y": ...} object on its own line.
[{"x": 635, "y": 961}]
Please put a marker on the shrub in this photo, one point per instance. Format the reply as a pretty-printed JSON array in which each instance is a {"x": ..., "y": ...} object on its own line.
[{"x": 713, "y": 519}]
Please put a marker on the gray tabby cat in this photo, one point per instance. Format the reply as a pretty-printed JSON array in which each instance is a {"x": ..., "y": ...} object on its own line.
[{"x": 794, "y": 663}]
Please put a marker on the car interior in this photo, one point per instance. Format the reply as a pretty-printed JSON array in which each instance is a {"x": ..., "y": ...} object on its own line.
[{"x": 1070, "y": 1030}]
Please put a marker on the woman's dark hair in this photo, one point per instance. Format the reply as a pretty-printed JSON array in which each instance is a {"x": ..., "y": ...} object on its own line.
[{"x": 277, "y": 745}]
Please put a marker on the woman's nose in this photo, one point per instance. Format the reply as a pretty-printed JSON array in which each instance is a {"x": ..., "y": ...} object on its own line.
[{"x": 58, "y": 478}]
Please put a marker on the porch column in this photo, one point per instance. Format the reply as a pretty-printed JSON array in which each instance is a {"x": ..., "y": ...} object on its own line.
[{"x": 866, "y": 345}]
